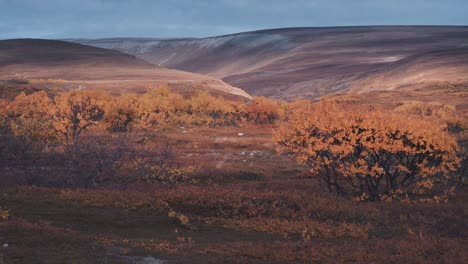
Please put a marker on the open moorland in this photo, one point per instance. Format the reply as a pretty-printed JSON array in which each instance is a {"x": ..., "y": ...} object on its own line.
[
  {"x": 110, "y": 158},
  {"x": 293, "y": 63}
]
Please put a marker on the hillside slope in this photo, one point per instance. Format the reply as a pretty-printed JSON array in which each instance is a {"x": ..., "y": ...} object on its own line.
[
  {"x": 53, "y": 61},
  {"x": 418, "y": 70},
  {"x": 293, "y": 62}
]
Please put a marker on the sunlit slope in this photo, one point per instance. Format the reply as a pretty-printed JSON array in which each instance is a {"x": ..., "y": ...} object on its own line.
[
  {"x": 295, "y": 62},
  {"x": 58, "y": 61},
  {"x": 418, "y": 70}
]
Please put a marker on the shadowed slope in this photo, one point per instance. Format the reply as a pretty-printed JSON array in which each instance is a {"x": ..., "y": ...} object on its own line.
[{"x": 59, "y": 53}]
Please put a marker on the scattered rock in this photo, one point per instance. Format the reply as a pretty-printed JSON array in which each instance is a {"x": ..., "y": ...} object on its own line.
[
  {"x": 255, "y": 153},
  {"x": 145, "y": 260}
]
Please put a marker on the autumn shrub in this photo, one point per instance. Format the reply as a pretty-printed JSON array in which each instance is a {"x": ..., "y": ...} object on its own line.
[
  {"x": 287, "y": 109},
  {"x": 39, "y": 118},
  {"x": 25, "y": 132},
  {"x": 158, "y": 107},
  {"x": 423, "y": 109},
  {"x": 210, "y": 110},
  {"x": 443, "y": 112},
  {"x": 372, "y": 155},
  {"x": 262, "y": 111},
  {"x": 30, "y": 117},
  {"x": 74, "y": 112},
  {"x": 66, "y": 116},
  {"x": 121, "y": 113},
  {"x": 78, "y": 135}
]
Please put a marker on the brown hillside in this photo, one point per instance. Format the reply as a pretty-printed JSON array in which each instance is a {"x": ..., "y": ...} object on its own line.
[
  {"x": 48, "y": 62},
  {"x": 298, "y": 62}
]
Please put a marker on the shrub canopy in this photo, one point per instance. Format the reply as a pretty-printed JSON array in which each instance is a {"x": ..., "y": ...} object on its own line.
[{"x": 371, "y": 154}]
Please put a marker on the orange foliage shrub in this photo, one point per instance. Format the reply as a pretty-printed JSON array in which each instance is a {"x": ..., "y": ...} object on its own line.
[
  {"x": 69, "y": 114},
  {"x": 30, "y": 116},
  {"x": 74, "y": 112},
  {"x": 427, "y": 109},
  {"x": 371, "y": 155},
  {"x": 208, "y": 109},
  {"x": 442, "y": 112},
  {"x": 157, "y": 107},
  {"x": 25, "y": 132},
  {"x": 262, "y": 111},
  {"x": 121, "y": 113}
]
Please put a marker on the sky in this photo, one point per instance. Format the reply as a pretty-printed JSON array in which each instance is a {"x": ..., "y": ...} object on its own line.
[{"x": 203, "y": 18}]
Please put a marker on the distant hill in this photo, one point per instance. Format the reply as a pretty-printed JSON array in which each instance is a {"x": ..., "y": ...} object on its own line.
[
  {"x": 60, "y": 53},
  {"x": 304, "y": 62},
  {"x": 54, "y": 61},
  {"x": 421, "y": 69}
]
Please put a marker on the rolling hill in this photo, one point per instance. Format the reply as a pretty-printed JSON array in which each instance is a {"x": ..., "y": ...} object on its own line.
[
  {"x": 438, "y": 66},
  {"x": 69, "y": 65},
  {"x": 310, "y": 62}
]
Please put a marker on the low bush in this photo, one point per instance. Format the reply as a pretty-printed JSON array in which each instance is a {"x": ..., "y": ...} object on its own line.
[{"x": 372, "y": 154}]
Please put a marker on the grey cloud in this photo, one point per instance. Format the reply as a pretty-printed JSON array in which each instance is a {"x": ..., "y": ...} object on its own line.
[{"x": 198, "y": 18}]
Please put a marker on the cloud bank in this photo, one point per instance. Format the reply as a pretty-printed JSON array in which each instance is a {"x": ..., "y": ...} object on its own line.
[{"x": 185, "y": 18}]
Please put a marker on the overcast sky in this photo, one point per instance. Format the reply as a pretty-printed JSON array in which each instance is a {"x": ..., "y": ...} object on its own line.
[{"x": 201, "y": 18}]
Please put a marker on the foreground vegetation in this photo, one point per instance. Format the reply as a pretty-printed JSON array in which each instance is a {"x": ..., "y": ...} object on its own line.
[
  {"x": 97, "y": 178},
  {"x": 373, "y": 154},
  {"x": 264, "y": 222}
]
